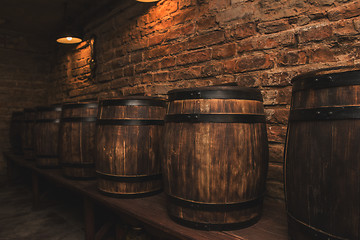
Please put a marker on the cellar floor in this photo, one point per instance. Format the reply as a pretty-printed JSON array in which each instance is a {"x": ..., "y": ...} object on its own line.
[{"x": 57, "y": 221}]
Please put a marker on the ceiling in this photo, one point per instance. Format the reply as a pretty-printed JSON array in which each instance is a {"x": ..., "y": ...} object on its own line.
[{"x": 45, "y": 16}]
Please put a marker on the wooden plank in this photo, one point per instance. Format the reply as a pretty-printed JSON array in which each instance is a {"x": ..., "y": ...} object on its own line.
[{"x": 151, "y": 212}]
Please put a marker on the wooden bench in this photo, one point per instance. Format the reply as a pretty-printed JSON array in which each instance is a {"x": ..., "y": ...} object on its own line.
[{"x": 150, "y": 212}]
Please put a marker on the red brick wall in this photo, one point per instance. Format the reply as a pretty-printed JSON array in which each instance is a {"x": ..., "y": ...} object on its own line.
[
  {"x": 24, "y": 70},
  {"x": 152, "y": 49}
]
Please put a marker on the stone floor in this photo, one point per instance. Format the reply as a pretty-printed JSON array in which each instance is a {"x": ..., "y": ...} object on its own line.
[{"x": 59, "y": 220}]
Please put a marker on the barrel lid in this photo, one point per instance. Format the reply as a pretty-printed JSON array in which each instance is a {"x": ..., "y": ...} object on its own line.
[
  {"x": 80, "y": 105},
  {"x": 216, "y": 92},
  {"x": 326, "y": 78},
  {"x": 55, "y": 107},
  {"x": 134, "y": 101}
]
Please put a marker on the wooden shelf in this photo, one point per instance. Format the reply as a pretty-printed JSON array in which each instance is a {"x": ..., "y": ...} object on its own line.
[{"x": 151, "y": 213}]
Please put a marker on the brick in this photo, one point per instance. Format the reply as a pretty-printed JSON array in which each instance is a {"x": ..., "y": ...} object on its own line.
[
  {"x": 224, "y": 51},
  {"x": 249, "y": 63},
  {"x": 218, "y": 4},
  {"x": 245, "y": 12},
  {"x": 347, "y": 10},
  {"x": 206, "y": 23},
  {"x": 183, "y": 16},
  {"x": 148, "y": 66},
  {"x": 274, "y": 26},
  {"x": 276, "y": 96},
  {"x": 212, "y": 69},
  {"x": 167, "y": 62},
  {"x": 136, "y": 57},
  {"x": 242, "y": 31},
  {"x": 144, "y": 78},
  {"x": 277, "y": 115},
  {"x": 322, "y": 54},
  {"x": 194, "y": 57},
  {"x": 291, "y": 58},
  {"x": 315, "y": 33},
  {"x": 207, "y": 39},
  {"x": 267, "y": 41},
  {"x": 186, "y": 73},
  {"x": 275, "y": 172},
  {"x": 161, "y": 76},
  {"x": 275, "y": 189},
  {"x": 276, "y": 133},
  {"x": 276, "y": 152},
  {"x": 163, "y": 10},
  {"x": 180, "y": 32},
  {"x": 159, "y": 51},
  {"x": 344, "y": 28},
  {"x": 247, "y": 80},
  {"x": 186, "y": 3}
]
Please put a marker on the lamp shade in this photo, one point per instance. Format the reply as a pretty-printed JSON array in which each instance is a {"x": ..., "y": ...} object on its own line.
[{"x": 69, "y": 37}]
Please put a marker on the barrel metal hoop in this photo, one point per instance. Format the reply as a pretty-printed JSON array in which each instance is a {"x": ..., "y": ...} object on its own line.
[
  {"x": 327, "y": 81},
  {"x": 129, "y": 179},
  {"x": 325, "y": 113},
  {"x": 79, "y": 119},
  {"x": 49, "y": 109},
  {"x": 29, "y": 121},
  {"x": 134, "y": 102},
  {"x": 224, "y": 207},
  {"x": 48, "y": 120},
  {"x": 214, "y": 226},
  {"x": 131, "y": 195},
  {"x": 216, "y": 118},
  {"x": 321, "y": 235},
  {"x": 81, "y": 105},
  {"x": 78, "y": 165},
  {"x": 129, "y": 122},
  {"x": 216, "y": 94},
  {"x": 48, "y": 166}
]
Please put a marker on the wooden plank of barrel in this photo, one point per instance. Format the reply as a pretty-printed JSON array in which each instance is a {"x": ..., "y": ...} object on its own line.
[
  {"x": 28, "y": 133},
  {"x": 77, "y": 139},
  {"x": 322, "y": 156},
  {"x": 215, "y": 157},
  {"x": 128, "y": 136},
  {"x": 46, "y": 132},
  {"x": 15, "y": 132}
]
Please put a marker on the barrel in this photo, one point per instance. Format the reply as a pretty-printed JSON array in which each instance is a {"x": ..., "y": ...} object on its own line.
[
  {"x": 77, "y": 139},
  {"x": 128, "y": 134},
  {"x": 215, "y": 157},
  {"x": 28, "y": 133},
  {"x": 46, "y": 132},
  {"x": 322, "y": 156},
  {"x": 15, "y": 131}
]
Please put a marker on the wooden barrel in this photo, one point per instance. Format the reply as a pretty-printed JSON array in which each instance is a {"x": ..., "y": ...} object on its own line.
[
  {"x": 77, "y": 139},
  {"x": 128, "y": 136},
  {"x": 322, "y": 155},
  {"x": 46, "y": 132},
  {"x": 28, "y": 133},
  {"x": 15, "y": 132},
  {"x": 215, "y": 157}
]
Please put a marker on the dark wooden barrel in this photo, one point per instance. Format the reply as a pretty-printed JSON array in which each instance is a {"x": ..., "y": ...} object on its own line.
[
  {"x": 77, "y": 139},
  {"x": 46, "y": 132},
  {"x": 215, "y": 157},
  {"x": 15, "y": 132},
  {"x": 128, "y": 136},
  {"x": 28, "y": 133},
  {"x": 322, "y": 155}
]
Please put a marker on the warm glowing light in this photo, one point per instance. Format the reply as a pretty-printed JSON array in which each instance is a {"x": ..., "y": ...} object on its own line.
[
  {"x": 147, "y": 0},
  {"x": 69, "y": 40}
]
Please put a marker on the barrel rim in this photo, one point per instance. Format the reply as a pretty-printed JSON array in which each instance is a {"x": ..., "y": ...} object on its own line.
[
  {"x": 318, "y": 79},
  {"x": 134, "y": 101},
  {"x": 216, "y": 92},
  {"x": 87, "y": 105},
  {"x": 56, "y": 108}
]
